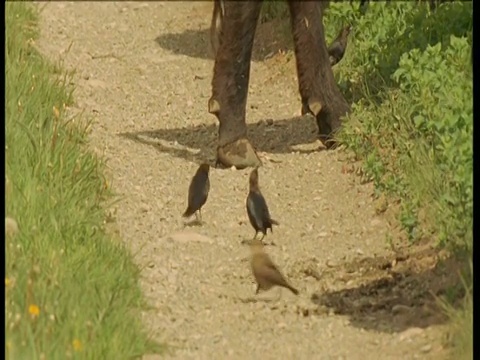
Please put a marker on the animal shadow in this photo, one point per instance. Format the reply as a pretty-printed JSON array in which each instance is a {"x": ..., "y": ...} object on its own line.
[
  {"x": 198, "y": 143},
  {"x": 270, "y": 38}
]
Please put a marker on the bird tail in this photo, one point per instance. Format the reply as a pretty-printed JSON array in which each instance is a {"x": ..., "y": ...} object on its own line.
[
  {"x": 274, "y": 222},
  {"x": 292, "y": 289},
  {"x": 188, "y": 212}
]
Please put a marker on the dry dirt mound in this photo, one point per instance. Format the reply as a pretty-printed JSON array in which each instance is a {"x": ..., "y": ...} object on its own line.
[{"x": 143, "y": 74}]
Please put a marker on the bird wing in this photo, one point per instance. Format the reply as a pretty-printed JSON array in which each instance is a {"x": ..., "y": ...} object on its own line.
[
  {"x": 253, "y": 212},
  {"x": 206, "y": 188},
  {"x": 258, "y": 207},
  {"x": 198, "y": 190},
  {"x": 272, "y": 273},
  {"x": 336, "y": 50}
]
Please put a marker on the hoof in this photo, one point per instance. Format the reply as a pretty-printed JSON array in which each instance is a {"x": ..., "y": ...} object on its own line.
[
  {"x": 240, "y": 154},
  {"x": 329, "y": 142}
]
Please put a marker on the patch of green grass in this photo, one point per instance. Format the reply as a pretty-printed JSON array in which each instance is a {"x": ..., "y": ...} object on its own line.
[{"x": 70, "y": 290}]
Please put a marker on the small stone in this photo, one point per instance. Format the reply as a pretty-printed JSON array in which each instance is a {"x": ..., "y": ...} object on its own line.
[
  {"x": 426, "y": 348},
  {"x": 359, "y": 252},
  {"x": 331, "y": 263},
  {"x": 95, "y": 83},
  {"x": 410, "y": 333},
  {"x": 189, "y": 236},
  {"x": 376, "y": 222}
]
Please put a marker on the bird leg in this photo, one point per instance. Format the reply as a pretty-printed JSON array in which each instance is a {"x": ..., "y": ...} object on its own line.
[
  {"x": 198, "y": 216},
  {"x": 279, "y": 293}
]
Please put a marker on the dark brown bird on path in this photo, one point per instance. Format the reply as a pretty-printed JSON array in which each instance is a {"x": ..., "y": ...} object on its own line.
[
  {"x": 265, "y": 271},
  {"x": 198, "y": 192},
  {"x": 337, "y": 49},
  {"x": 257, "y": 208}
]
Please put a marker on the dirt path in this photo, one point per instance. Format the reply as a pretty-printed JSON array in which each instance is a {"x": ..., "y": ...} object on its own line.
[{"x": 143, "y": 73}]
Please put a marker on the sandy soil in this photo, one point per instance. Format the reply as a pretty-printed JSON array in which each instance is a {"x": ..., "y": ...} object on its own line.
[{"x": 143, "y": 75}]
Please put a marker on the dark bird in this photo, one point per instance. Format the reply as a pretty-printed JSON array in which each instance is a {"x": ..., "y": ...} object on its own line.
[
  {"x": 257, "y": 208},
  {"x": 265, "y": 271},
  {"x": 337, "y": 49},
  {"x": 198, "y": 192}
]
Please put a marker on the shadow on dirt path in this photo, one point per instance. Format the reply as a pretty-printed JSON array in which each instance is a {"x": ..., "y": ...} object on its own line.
[
  {"x": 197, "y": 143},
  {"x": 402, "y": 294},
  {"x": 270, "y": 38}
]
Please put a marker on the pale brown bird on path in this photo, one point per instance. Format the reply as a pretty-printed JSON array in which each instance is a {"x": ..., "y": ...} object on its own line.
[
  {"x": 265, "y": 271},
  {"x": 257, "y": 208},
  {"x": 198, "y": 192}
]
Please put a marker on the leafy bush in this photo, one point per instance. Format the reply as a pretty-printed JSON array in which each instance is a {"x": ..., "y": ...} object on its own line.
[
  {"x": 408, "y": 73},
  {"x": 414, "y": 130},
  {"x": 386, "y": 32}
]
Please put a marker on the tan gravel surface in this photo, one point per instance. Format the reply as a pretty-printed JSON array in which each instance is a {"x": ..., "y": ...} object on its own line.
[{"x": 143, "y": 75}]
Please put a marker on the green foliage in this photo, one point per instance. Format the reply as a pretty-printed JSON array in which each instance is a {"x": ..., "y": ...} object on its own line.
[
  {"x": 408, "y": 73},
  {"x": 386, "y": 32},
  {"x": 274, "y": 10},
  {"x": 70, "y": 290}
]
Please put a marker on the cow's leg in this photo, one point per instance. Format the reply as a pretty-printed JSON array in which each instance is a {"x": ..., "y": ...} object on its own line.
[
  {"x": 230, "y": 82},
  {"x": 216, "y": 24},
  {"x": 319, "y": 92}
]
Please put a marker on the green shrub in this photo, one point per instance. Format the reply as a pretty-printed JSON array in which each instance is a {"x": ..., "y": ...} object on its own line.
[
  {"x": 408, "y": 73},
  {"x": 386, "y": 32},
  {"x": 413, "y": 115},
  {"x": 274, "y": 10},
  {"x": 70, "y": 290}
]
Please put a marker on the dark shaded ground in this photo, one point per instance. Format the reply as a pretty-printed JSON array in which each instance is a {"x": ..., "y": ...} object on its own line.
[
  {"x": 270, "y": 38},
  {"x": 267, "y": 136},
  {"x": 392, "y": 293}
]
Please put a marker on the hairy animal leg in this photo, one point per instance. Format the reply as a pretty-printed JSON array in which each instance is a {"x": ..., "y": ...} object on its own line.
[
  {"x": 230, "y": 81},
  {"x": 318, "y": 89}
]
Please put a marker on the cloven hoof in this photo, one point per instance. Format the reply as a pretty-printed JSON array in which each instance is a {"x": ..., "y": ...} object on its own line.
[{"x": 240, "y": 154}]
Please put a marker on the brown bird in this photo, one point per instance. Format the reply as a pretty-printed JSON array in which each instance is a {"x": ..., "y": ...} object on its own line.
[
  {"x": 337, "y": 49},
  {"x": 257, "y": 208},
  {"x": 265, "y": 271},
  {"x": 198, "y": 192}
]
